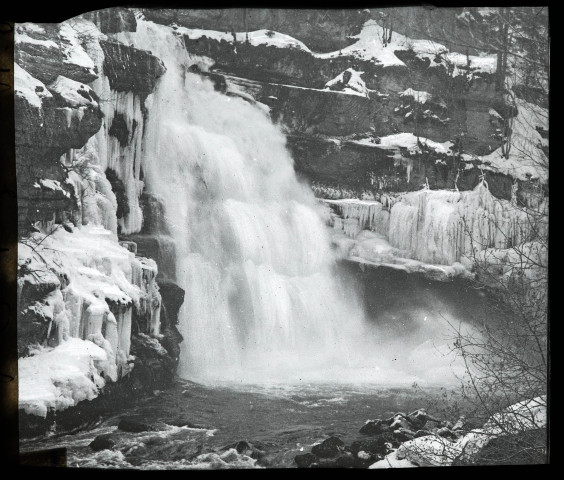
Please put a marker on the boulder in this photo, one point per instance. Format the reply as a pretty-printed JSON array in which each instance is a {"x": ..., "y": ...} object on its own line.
[
  {"x": 446, "y": 432},
  {"x": 250, "y": 450},
  {"x": 460, "y": 424},
  {"x": 128, "y": 424},
  {"x": 378, "y": 446},
  {"x": 403, "y": 434},
  {"x": 374, "y": 427},
  {"x": 305, "y": 460},
  {"x": 431, "y": 425},
  {"x": 429, "y": 451},
  {"x": 129, "y": 68},
  {"x": 329, "y": 448},
  {"x": 400, "y": 421},
  {"x": 102, "y": 442}
]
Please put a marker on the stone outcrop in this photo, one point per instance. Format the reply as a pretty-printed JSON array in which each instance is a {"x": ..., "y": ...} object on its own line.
[
  {"x": 118, "y": 310},
  {"x": 61, "y": 122},
  {"x": 129, "y": 68},
  {"x": 321, "y": 30}
]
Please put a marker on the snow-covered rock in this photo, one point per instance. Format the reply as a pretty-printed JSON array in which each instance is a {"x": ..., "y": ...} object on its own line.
[
  {"x": 372, "y": 44},
  {"x": 418, "y": 96},
  {"x": 429, "y": 451},
  {"x": 29, "y": 88},
  {"x": 257, "y": 37},
  {"x": 392, "y": 461},
  {"x": 60, "y": 377},
  {"x": 349, "y": 81},
  {"x": 436, "y": 227},
  {"x": 101, "y": 287}
]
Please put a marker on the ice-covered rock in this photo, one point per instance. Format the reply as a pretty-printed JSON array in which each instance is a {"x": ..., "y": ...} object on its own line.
[
  {"x": 436, "y": 227},
  {"x": 102, "y": 289}
]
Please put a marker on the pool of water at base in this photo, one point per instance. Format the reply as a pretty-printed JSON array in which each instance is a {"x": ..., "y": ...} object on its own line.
[{"x": 195, "y": 425}]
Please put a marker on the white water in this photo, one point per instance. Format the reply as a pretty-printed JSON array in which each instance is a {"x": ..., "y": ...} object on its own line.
[{"x": 263, "y": 298}]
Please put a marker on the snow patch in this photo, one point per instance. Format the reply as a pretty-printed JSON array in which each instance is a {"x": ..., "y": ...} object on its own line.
[
  {"x": 74, "y": 93},
  {"x": 419, "y": 96},
  {"x": 353, "y": 83},
  {"x": 257, "y": 37},
  {"x": 58, "y": 378},
  {"x": 71, "y": 31},
  {"x": 29, "y": 88}
]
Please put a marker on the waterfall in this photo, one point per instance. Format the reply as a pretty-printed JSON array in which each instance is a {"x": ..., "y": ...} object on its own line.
[{"x": 263, "y": 296}]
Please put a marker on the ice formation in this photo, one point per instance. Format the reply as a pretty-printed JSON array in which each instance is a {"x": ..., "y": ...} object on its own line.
[
  {"x": 95, "y": 288},
  {"x": 439, "y": 227}
]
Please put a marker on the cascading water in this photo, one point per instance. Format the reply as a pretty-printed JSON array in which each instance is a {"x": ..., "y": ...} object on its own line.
[{"x": 264, "y": 301}]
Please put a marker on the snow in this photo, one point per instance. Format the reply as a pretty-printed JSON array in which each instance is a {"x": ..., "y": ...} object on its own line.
[
  {"x": 69, "y": 90},
  {"x": 521, "y": 416},
  {"x": 72, "y": 32},
  {"x": 419, "y": 96},
  {"x": 354, "y": 86},
  {"x": 409, "y": 140},
  {"x": 30, "y": 27},
  {"x": 392, "y": 461},
  {"x": 435, "y": 451},
  {"x": 51, "y": 185},
  {"x": 429, "y": 451},
  {"x": 257, "y": 37},
  {"x": 370, "y": 46},
  {"x": 60, "y": 377},
  {"x": 24, "y": 38},
  {"x": 29, "y": 87},
  {"x": 526, "y": 160}
]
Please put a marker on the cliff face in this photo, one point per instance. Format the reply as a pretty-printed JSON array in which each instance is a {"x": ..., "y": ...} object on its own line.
[
  {"x": 92, "y": 316},
  {"x": 321, "y": 30},
  {"x": 412, "y": 84}
]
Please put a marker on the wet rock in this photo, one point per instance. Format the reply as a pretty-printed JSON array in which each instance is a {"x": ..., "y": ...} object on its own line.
[
  {"x": 418, "y": 418},
  {"x": 129, "y": 68},
  {"x": 102, "y": 442},
  {"x": 248, "y": 449},
  {"x": 422, "y": 433},
  {"x": 345, "y": 460},
  {"x": 447, "y": 433},
  {"x": 305, "y": 460},
  {"x": 460, "y": 424},
  {"x": 400, "y": 421},
  {"x": 403, "y": 434},
  {"x": 365, "y": 459},
  {"x": 329, "y": 448},
  {"x": 374, "y": 427},
  {"x": 378, "y": 446},
  {"x": 431, "y": 425},
  {"x": 127, "y": 424}
]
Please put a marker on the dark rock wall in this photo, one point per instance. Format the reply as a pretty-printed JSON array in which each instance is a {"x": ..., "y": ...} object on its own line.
[
  {"x": 321, "y": 30},
  {"x": 129, "y": 68}
]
